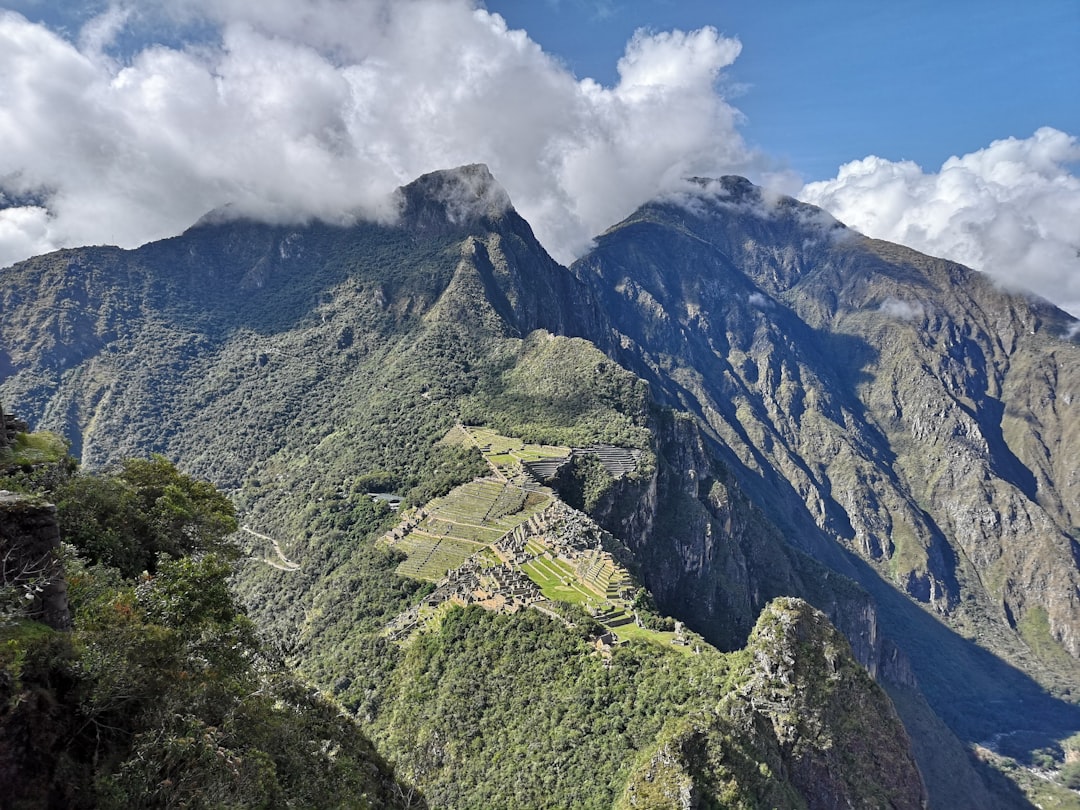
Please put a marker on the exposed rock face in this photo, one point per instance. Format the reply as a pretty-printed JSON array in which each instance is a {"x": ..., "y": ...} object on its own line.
[
  {"x": 830, "y": 719},
  {"x": 452, "y": 197},
  {"x": 870, "y": 400},
  {"x": 808, "y": 728},
  {"x": 711, "y": 557},
  {"x": 29, "y": 557},
  {"x": 10, "y": 427}
]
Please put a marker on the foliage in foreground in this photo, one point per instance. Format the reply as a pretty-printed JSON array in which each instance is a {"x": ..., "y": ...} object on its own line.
[{"x": 162, "y": 696}]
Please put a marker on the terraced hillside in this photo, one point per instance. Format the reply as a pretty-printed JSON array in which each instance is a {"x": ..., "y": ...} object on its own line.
[
  {"x": 505, "y": 542},
  {"x": 446, "y": 531}
]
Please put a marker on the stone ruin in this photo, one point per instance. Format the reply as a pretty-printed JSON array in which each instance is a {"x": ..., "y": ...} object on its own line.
[
  {"x": 30, "y": 547},
  {"x": 10, "y": 427},
  {"x": 618, "y": 461},
  {"x": 30, "y": 558}
]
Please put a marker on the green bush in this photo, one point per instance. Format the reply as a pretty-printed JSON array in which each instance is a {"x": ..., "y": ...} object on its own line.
[
  {"x": 1070, "y": 775},
  {"x": 142, "y": 511}
]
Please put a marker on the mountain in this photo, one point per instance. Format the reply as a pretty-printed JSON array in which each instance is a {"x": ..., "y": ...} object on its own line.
[
  {"x": 810, "y": 413},
  {"x": 881, "y": 405}
]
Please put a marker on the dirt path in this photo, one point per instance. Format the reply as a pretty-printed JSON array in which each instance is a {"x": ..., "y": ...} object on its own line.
[{"x": 285, "y": 563}]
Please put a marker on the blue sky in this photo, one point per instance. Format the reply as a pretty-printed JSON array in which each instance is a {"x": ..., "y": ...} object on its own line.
[
  {"x": 951, "y": 127},
  {"x": 822, "y": 83}
]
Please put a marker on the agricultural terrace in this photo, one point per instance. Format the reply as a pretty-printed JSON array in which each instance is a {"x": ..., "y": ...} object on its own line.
[
  {"x": 507, "y": 521},
  {"x": 503, "y": 453},
  {"x": 469, "y": 519}
]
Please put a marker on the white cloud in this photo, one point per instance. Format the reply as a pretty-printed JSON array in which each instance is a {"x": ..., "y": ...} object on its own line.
[
  {"x": 903, "y": 310},
  {"x": 319, "y": 108},
  {"x": 1011, "y": 209},
  {"x": 293, "y": 109}
]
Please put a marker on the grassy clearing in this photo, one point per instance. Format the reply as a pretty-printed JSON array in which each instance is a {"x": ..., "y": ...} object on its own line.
[
  {"x": 557, "y": 582},
  {"x": 631, "y": 631},
  {"x": 502, "y": 450},
  {"x": 1034, "y": 627},
  {"x": 42, "y": 447},
  {"x": 539, "y": 452}
]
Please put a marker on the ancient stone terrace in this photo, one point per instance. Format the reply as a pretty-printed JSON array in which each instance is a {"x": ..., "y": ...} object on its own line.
[
  {"x": 618, "y": 461},
  {"x": 505, "y": 543},
  {"x": 544, "y": 469},
  {"x": 448, "y": 530}
]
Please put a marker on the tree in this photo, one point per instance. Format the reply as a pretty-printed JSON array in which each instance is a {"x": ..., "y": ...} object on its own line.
[{"x": 131, "y": 517}]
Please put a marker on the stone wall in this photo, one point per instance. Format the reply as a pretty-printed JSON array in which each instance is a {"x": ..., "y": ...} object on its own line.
[
  {"x": 30, "y": 557},
  {"x": 9, "y": 427}
]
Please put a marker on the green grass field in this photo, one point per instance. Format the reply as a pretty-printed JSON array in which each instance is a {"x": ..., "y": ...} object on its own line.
[
  {"x": 502, "y": 450},
  {"x": 552, "y": 577},
  {"x": 42, "y": 447}
]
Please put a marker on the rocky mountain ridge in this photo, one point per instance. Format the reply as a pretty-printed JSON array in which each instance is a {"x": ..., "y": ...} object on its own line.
[
  {"x": 867, "y": 390},
  {"x": 822, "y": 410}
]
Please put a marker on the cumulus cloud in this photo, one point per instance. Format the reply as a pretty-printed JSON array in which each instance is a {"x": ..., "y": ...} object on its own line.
[
  {"x": 294, "y": 109},
  {"x": 903, "y": 310},
  {"x": 1011, "y": 210}
]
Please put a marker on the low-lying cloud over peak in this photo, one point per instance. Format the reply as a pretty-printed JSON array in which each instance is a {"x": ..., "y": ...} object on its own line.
[
  {"x": 1011, "y": 210},
  {"x": 288, "y": 110},
  {"x": 294, "y": 109}
]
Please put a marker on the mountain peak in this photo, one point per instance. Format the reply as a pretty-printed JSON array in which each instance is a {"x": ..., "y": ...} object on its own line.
[
  {"x": 453, "y": 196},
  {"x": 732, "y": 185}
]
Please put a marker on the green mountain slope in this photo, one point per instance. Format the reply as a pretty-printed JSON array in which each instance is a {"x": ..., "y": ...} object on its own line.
[
  {"x": 122, "y": 688},
  {"x": 303, "y": 368}
]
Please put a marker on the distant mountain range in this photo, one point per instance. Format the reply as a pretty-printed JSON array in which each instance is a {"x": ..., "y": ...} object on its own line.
[{"x": 885, "y": 435}]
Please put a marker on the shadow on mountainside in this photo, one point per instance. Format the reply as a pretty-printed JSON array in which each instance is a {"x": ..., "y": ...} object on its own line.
[
  {"x": 270, "y": 278},
  {"x": 975, "y": 692}
]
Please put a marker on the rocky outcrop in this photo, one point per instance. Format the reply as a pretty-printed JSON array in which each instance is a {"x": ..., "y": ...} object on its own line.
[
  {"x": 807, "y": 728},
  {"x": 840, "y": 737},
  {"x": 10, "y": 427},
  {"x": 30, "y": 558}
]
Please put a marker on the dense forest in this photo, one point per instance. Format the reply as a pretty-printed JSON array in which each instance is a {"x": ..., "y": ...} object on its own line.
[{"x": 158, "y": 692}]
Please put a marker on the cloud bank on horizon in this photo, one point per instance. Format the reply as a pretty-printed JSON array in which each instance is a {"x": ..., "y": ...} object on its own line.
[
  {"x": 1011, "y": 210},
  {"x": 299, "y": 109}
]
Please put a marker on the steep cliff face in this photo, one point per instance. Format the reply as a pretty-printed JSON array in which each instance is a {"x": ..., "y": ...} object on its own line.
[
  {"x": 712, "y": 558},
  {"x": 868, "y": 399}
]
